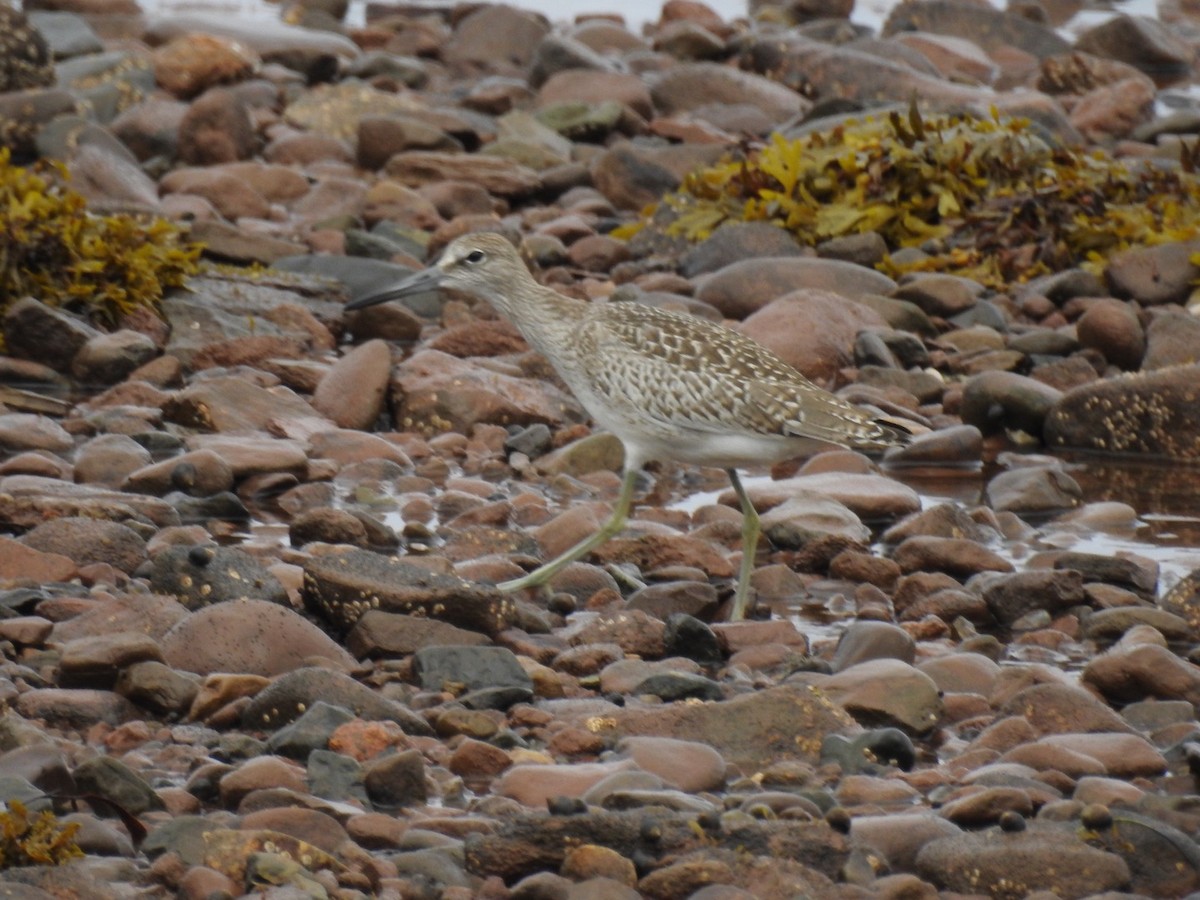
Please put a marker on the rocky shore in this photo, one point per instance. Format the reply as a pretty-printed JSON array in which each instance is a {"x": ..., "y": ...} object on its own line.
[{"x": 250, "y": 641}]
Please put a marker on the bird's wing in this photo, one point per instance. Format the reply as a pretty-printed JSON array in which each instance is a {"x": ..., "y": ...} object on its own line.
[{"x": 696, "y": 375}]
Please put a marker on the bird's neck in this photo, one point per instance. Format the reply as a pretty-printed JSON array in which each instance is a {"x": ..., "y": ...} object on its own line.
[{"x": 545, "y": 317}]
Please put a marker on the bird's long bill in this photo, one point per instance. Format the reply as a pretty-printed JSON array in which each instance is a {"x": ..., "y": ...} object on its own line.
[{"x": 417, "y": 283}]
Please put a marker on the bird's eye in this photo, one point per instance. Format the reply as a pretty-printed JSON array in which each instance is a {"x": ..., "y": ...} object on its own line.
[{"x": 475, "y": 256}]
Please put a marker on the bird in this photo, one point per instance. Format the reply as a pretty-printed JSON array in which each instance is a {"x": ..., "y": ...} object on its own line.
[{"x": 670, "y": 386}]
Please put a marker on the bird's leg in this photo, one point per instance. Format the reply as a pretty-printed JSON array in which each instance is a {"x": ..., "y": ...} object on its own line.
[
  {"x": 750, "y": 529},
  {"x": 615, "y": 523}
]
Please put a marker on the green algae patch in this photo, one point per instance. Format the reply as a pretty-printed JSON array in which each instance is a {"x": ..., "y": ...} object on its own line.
[
  {"x": 54, "y": 249},
  {"x": 989, "y": 198}
]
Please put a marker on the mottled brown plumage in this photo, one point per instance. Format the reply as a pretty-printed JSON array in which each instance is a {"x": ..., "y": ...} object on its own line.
[{"x": 670, "y": 386}]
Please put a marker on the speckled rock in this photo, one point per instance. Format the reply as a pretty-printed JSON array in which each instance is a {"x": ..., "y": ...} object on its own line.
[
  {"x": 1155, "y": 413},
  {"x": 249, "y": 637}
]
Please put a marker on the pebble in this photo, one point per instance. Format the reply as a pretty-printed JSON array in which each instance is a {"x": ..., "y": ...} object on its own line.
[{"x": 318, "y": 656}]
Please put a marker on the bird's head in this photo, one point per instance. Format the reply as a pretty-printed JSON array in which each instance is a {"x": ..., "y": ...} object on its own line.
[{"x": 484, "y": 265}]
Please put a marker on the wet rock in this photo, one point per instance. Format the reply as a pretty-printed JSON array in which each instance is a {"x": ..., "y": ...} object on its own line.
[
  {"x": 940, "y": 295},
  {"x": 901, "y": 836},
  {"x": 1063, "y": 709},
  {"x": 342, "y": 586},
  {"x": 955, "y": 556},
  {"x": 352, "y": 392},
  {"x": 886, "y": 691},
  {"x": 1127, "y": 674},
  {"x": 397, "y": 780},
  {"x": 1111, "y": 624},
  {"x": 689, "y": 765},
  {"x": 158, "y": 687},
  {"x": 1009, "y": 597},
  {"x": 81, "y": 708},
  {"x": 289, "y": 695},
  {"x": 28, "y": 500},
  {"x": 481, "y": 672},
  {"x": 1033, "y": 491},
  {"x": 750, "y": 731},
  {"x": 234, "y": 405},
  {"x": 801, "y": 519},
  {"x": 1138, "y": 575},
  {"x": 744, "y": 287},
  {"x": 1156, "y": 413},
  {"x": 1051, "y": 860},
  {"x": 201, "y": 473},
  {"x": 1162, "y": 859},
  {"x": 995, "y": 401},
  {"x": 116, "y": 782},
  {"x": 863, "y": 641},
  {"x": 1123, "y": 755},
  {"x": 785, "y": 326},
  {"x": 250, "y": 637},
  {"x": 1112, "y": 328},
  {"x": 201, "y": 575},
  {"x": 871, "y": 497},
  {"x": 88, "y": 541}
]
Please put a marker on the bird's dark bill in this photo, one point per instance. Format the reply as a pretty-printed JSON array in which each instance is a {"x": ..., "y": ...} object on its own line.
[{"x": 418, "y": 283}]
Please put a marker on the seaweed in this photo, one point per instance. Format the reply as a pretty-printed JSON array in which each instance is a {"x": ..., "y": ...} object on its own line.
[
  {"x": 53, "y": 248},
  {"x": 39, "y": 839},
  {"x": 989, "y": 198}
]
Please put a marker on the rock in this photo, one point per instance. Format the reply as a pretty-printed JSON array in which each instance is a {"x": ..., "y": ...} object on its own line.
[
  {"x": 216, "y": 129},
  {"x": 1173, "y": 339},
  {"x": 89, "y": 541},
  {"x": 886, "y": 690},
  {"x": 27, "y": 59},
  {"x": 801, "y": 519},
  {"x": 588, "y": 86},
  {"x": 189, "y": 65},
  {"x": 1063, "y": 709},
  {"x": 1145, "y": 43},
  {"x": 480, "y": 671},
  {"x": 497, "y": 39},
  {"x": 291, "y": 694},
  {"x": 994, "y": 401},
  {"x": 352, "y": 392},
  {"x": 438, "y": 392},
  {"x": 863, "y": 641},
  {"x": 1127, "y": 674},
  {"x": 633, "y": 175},
  {"x": 340, "y": 587},
  {"x": 1154, "y": 276},
  {"x": 871, "y": 497},
  {"x": 1051, "y": 860},
  {"x": 1009, "y": 597},
  {"x": 35, "y": 331},
  {"x": 250, "y": 637},
  {"x": 1112, "y": 328},
  {"x": 1155, "y": 413},
  {"x": 201, "y": 575},
  {"x": 990, "y": 28},
  {"x": 1034, "y": 491},
  {"x": 955, "y": 556},
  {"x": 811, "y": 330},
  {"x": 684, "y": 87},
  {"x": 744, "y": 287}
]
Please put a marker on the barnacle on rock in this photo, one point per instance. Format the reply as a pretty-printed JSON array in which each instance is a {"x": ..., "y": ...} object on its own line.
[
  {"x": 24, "y": 57},
  {"x": 28, "y": 839},
  {"x": 987, "y": 198},
  {"x": 54, "y": 249}
]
